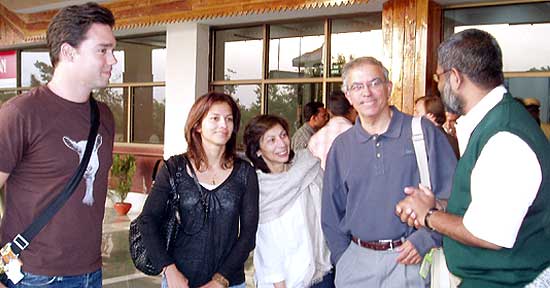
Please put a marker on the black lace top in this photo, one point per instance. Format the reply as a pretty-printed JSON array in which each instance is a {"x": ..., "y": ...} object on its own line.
[{"x": 217, "y": 240}]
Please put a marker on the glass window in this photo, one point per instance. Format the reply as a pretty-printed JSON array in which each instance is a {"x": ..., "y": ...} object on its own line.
[
  {"x": 116, "y": 100},
  {"x": 521, "y": 30},
  {"x": 531, "y": 87},
  {"x": 148, "y": 116},
  {"x": 249, "y": 101},
  {"x": 296, "y": 50},
  {"x": 287, "y": 100},
  {"x": 364, "y": 32},
  {"x": 6, "y": 95},
  {"x": 238, "y": 53},
  {"x": 159, "y": 64},
  {"x": 36, "y": 68}
]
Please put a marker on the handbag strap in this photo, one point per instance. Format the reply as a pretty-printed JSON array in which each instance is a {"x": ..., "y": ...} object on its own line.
[
  {"x": 172, "y": 181},
  {"x": 21, "y": 241},
  {"x": 193, "y": 174},
  {"x": 203, "y": 194},
  {"x": 420, "y": 151}
]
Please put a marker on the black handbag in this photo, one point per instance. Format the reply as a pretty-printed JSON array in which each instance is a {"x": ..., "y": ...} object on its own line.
[{"x": 169, "y": 230}]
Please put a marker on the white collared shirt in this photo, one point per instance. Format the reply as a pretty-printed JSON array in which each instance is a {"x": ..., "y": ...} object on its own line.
[{"x": 504, "y": 181}]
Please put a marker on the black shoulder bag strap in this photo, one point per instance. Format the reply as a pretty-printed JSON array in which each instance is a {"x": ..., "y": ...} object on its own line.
[{"x": 21, "y": 241}]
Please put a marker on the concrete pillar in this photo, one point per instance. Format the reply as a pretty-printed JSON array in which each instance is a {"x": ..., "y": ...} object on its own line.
[{"x": 186, "y": 79}]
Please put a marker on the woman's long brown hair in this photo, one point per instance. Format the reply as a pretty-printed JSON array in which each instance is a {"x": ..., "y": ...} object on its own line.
[{"x": 195, "y": 150}]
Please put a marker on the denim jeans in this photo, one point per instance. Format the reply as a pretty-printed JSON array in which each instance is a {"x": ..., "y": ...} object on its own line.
[
  {"x": 88, "y": 280},
  {"x": 165, "y": 284}
]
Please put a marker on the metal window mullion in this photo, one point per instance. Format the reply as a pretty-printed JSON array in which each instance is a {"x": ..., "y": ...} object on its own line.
[
  {"x": 129, "y": 112},
  {"x": 326, "y": 54},
  {"x": 265, "y": 67}
]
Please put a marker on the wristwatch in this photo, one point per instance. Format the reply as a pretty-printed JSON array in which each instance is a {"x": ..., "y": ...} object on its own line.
[{"x": 430, "y": 212}]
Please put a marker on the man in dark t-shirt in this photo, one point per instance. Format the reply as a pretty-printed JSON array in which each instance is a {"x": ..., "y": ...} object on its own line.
[{"x": 42, "y": 136}]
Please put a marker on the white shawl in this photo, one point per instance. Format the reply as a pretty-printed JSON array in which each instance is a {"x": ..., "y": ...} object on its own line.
[{"x": 278, "y": 192}]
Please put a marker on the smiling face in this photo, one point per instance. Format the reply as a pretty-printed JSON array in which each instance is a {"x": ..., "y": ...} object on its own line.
[
  {"x": 368, "y": 91},
  {"x": 275, "y": 147},
  {"x": 94, "y": 56},
  {"x": 217, "y": 126}
]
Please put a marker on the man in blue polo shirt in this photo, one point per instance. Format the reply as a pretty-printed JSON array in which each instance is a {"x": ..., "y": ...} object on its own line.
[{"x": 367, "y": 168}]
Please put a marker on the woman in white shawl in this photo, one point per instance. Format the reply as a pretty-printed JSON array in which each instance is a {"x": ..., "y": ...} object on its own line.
[{"x": 290, "y": 246}]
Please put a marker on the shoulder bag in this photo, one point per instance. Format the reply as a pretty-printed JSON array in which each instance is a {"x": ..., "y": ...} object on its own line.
[
  {"x": 140, "y": 255},
  {"x": 440, "y": 276}
]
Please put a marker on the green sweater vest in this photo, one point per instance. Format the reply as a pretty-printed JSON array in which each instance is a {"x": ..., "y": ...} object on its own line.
[{"x": 530, "y": 255}]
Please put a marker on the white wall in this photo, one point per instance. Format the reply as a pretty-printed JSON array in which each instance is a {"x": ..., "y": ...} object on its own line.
[{"x": 186, "y": 79}]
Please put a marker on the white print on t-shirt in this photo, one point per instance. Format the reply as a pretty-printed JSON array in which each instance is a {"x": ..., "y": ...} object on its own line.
[{"x": 93, "y": 165}]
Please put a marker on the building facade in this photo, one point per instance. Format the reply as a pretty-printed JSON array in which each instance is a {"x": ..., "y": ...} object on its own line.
[{"x": 273, "y": 56}]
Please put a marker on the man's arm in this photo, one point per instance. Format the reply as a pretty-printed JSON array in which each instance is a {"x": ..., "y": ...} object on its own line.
[
  {"x": 333, "y": 208},
  {"x": 453, "y": 227},
  {"x": 3, "y": 178},
  {"x": 420, "y": 201}
]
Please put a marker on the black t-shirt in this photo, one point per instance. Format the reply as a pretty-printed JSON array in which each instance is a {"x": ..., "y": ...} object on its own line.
[{"x": 217, "y": 241}]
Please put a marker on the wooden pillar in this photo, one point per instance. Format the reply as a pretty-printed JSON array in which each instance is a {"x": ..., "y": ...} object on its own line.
[{"x": 412, "y": 32}]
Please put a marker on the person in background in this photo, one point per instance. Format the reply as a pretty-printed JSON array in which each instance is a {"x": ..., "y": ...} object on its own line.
[
  {"x": 41, "y": 134},
  {"x": 367, "y": 168},
  {"x": 315, "y": 117},
  {"x": 219, "y": 215},
  {"x": 433, "y": 109},
  {"x": 450, "y": 123},
  {"x": 497, "y": 222},
  {"x": 342, "y": 116},
  {"x": 291, "y": 250},
  {"x": 533, "y": 107}
]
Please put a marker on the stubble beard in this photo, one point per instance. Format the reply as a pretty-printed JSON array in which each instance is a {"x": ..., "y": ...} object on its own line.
[{"x": 451, "y": 100}]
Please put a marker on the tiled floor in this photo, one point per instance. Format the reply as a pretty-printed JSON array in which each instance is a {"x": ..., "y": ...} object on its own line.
[{"x": 118, "y": 269}]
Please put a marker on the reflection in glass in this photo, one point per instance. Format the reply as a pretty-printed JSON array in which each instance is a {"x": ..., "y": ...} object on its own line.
[
  {"x": 116, "y": 100},
  {"x": 36, "y": 68},
  {"x": 296, "y": 50},
  {"x": 238, "y": 53},
  {"x": 538, "y": 88},
  {"x": 6, "y": 95},
  {"x": 334, "y": 86},
  {"x": 521, "y": 30},
  {"x": 248, "y": 99},
  {"x": 159, "y": 64},
  {"x": 148, "y": 115},
  {"x": 287, "y": 100},
  {"x": 364, "y": 32}
]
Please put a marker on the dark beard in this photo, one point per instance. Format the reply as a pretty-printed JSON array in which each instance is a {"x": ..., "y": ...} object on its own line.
[{"x": 451, "y": 100}]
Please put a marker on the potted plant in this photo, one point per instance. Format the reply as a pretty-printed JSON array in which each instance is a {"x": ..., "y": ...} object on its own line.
[{"x": 122, "y": 172}]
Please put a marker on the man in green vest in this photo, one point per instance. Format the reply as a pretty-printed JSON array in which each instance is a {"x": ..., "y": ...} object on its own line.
[{"x": 497, "y": 223}]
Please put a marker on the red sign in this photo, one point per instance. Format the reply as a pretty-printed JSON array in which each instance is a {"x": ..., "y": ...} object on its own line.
[{"x": 8, "y": 64}]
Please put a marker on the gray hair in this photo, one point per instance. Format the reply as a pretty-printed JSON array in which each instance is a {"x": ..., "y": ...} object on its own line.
[
  {"x": 358, "y": 62},
  {"x": 475, "y": 53}
]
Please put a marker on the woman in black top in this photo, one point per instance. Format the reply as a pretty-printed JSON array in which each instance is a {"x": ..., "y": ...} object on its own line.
[{"x": 219, "y": 217}]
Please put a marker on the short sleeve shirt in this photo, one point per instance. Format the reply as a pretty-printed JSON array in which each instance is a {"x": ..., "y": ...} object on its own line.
[{"x": 42, "y": 139}]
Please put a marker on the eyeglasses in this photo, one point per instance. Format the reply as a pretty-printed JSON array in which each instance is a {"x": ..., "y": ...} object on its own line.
[
  {"x": 436, "y": 76},
  {"x": 374, "y": 84}
]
